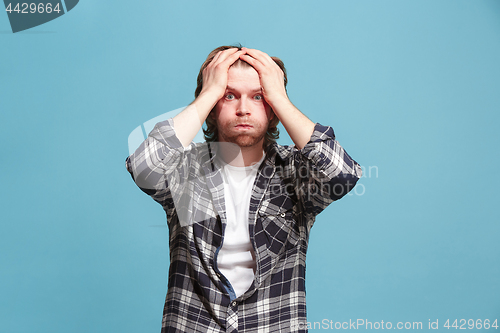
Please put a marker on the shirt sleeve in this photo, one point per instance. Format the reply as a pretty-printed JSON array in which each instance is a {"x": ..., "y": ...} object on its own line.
[
  {"x": 158, "y": 159},
  {"x": 325, "y": 170}
]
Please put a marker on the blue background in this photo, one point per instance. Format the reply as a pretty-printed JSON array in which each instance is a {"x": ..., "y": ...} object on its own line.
[{"x": 410, "y": 87}]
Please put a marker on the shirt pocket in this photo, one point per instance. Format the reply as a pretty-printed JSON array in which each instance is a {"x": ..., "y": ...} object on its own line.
[{"x": 279, "y": 224}]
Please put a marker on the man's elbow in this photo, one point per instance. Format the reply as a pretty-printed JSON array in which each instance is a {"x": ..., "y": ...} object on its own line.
[{"x": 341, "y": 185}]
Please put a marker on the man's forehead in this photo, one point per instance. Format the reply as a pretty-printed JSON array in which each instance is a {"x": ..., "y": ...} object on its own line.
[
  {"x": 243, "y": 78},
  {"x": 239, "y": 71},
  {"x": 252, "y": 89}
]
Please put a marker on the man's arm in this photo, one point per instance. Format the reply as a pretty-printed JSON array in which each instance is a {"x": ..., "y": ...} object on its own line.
[
  {"x": 158, "y": 153},
  {"x": 162, "y": 169},
  {"x": 189, "y": 121},
  {"x": 298, "y": 126},
  {"x": 326, "y": 171}
]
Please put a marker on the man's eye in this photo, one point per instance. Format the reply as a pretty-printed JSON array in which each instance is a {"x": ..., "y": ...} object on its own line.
[
  {"x": 258, "y": 97},
  {"x": 229, "y": 96}
]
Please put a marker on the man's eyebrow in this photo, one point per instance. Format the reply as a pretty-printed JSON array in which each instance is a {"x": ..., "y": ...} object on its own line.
[{"x": 253, "y": 90}]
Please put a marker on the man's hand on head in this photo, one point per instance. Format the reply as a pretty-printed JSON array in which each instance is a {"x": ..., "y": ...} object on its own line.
[
  {"x": 271, "y": 75},
  {"x": 190, "y": 120},
  {"x": 298, "y": 126},
  {"x": 215, "y": 74}
]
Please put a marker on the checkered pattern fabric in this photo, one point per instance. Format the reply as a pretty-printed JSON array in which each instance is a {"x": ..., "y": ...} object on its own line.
[{"x": 292, "y": 186}]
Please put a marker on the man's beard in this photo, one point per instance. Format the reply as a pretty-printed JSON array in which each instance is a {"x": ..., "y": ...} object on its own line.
[{"x": 242, "y": 139}]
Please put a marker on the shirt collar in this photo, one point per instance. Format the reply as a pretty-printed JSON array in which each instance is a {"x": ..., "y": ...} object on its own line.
[{"x": 273, "y": 152}]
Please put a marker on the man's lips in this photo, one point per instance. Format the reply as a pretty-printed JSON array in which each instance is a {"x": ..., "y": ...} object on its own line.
[{"x": 244, "y": 126}]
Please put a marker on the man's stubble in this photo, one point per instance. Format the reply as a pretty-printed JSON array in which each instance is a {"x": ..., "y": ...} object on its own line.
[{"x": 242, "y": 139}]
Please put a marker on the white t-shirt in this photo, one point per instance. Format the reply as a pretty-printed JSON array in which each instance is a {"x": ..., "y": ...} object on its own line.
[{"x": 236, "y": 259}]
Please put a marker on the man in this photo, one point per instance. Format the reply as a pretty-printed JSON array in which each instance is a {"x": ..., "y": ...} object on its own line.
[{"x": 240, "y": 207}]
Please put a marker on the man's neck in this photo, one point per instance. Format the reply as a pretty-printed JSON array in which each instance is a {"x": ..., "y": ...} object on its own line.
[{"x": 237, "y": 156}]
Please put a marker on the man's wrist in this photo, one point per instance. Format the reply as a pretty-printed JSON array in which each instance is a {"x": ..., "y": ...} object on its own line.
[
  {"x": 280, "y": 105},
  {"x": 212, "y": 93},
  {"x": 206, "y": 100}
]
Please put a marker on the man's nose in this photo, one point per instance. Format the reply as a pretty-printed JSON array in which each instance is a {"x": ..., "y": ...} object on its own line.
[{"x": 243, "y": 107}]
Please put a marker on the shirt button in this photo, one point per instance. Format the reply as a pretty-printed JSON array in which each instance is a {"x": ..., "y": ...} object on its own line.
[
  {"x": 234, "y": 303},
  {"x": 282, "y": 214}
]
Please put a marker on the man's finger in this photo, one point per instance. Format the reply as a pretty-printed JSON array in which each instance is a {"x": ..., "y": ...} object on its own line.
[
  {"x": 259, "y": 55},
  {"x": 233, "y": 57},
  {"x": 252, "y": 61},
  {"x": 216, "y": 57},
  {"x": 225, "y": 55},
  {"x": 220, "y": 55}
]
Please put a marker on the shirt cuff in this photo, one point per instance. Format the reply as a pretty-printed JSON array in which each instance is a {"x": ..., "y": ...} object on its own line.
[
  {"x": 314, "y": 149},
  {"x": 164, "y": 132}
]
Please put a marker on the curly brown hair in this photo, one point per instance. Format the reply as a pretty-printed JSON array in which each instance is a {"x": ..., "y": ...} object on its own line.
[{"x": 211, "y": 133}]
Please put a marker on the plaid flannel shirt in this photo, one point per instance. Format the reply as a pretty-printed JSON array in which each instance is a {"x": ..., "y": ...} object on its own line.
[{"x": 292, "y": 186}]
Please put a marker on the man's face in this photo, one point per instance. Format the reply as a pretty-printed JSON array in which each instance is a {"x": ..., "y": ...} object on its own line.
[{"x": 243, "y": 115}]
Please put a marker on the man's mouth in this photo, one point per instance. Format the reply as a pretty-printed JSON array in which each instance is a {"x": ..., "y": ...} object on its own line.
[{"x": 244, "y": 126}]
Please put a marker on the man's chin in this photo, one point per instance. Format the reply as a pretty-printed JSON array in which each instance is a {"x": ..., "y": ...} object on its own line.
[{"x": 246, "y": 141}]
